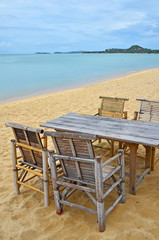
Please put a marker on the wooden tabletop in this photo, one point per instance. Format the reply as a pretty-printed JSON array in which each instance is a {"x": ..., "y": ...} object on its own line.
[{"x": 109, "y": 128}]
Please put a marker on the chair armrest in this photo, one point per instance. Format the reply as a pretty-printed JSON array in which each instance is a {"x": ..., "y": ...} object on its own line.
[
  {"x": 135, "y": 115},
  {"x": 125, "y": 115},
  {"x": 110, "y": 160}
]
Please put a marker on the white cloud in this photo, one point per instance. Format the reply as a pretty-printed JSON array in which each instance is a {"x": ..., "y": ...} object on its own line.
[
  {"x": 5, "y": 44},
  {"x": 75, "y": 21}
]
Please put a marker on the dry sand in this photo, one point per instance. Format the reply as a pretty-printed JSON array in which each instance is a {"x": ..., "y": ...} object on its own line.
[{"x": 24, "y": 217}]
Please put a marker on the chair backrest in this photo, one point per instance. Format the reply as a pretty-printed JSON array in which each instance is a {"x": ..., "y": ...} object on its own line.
[
  {"x": 112, "y": 107},
  {"x": 148, "y": 110},
  {"x": 76, "y": 155},
  {"x": 29, "y": 142}
]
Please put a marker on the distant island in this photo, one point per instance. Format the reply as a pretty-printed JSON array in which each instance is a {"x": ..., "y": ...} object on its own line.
[
  {"x": 42, "y": 53},
  {"x": 132, "y": 49},
  {"x": 72, "y": 52}
]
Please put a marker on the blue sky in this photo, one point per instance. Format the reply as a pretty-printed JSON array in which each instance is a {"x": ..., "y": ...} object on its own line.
[{"x": 28, "y": 26}]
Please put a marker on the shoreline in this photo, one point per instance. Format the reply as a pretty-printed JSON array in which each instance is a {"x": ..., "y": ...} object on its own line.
[{"x": 97, "y": 81}]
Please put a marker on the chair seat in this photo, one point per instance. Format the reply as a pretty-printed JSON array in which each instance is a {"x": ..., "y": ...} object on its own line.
[{"x": 106, "y": 171}]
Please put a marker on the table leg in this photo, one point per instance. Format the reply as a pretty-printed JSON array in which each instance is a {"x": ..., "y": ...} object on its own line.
[
  {"x": 132, "y": 179},
  {"x": 148, "y": 157},
  {"x": 112, "y": 148},
  {"x": 153, "y": 158},
  {"x": 120, "y": 145}
]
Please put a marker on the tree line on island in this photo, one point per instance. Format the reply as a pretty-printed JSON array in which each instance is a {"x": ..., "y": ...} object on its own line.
[{"x": 132, "y": 49}]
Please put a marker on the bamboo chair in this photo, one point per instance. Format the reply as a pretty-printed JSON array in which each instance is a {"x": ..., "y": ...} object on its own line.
[
  {"x": 112, "y": 107},
  {"x": 33, "y": 159},
  {"x": 148, "y": 112},
  {"x": 83, "y": 171}
]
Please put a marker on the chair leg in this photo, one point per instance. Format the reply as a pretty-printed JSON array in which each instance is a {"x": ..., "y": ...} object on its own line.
[
  {"x": 122, "y": 175},
  {"x": 99, "y": 194},
  {"x": 15, "y": 172},
  {"x": 59, "y": 209},
  {"x": 45, "y": 177},
  {"x": 101, "y": 216},
  {"x": 55, "y": 186}
]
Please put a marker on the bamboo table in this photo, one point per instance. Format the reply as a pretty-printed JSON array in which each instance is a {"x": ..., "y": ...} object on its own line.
[{"x": 130, "y": 132}]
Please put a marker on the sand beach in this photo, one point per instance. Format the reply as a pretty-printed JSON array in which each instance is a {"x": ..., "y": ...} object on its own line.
[{"x": 24, "y": 217}]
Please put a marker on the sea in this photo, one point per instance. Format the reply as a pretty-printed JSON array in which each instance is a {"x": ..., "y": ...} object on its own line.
[{"x": 22, "y": 76}]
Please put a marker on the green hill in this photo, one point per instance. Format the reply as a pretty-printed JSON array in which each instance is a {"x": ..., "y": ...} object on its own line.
[{"x": 132, "y": 49}]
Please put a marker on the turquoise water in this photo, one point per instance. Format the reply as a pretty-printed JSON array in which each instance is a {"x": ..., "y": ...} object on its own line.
[{"x": 28, "y": 75}]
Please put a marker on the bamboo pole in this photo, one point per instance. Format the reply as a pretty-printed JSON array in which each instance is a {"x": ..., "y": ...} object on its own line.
[
  {"x": 112, "y": 148},
  {"x": 110, "y": 160},
  {"x": 113, "y": 206},
  {"x": 148, "y": 157},
  {"x": 31, "y": 187},
  {"x": 28, "y": 179},
  {"x": 142, "y": 176},
  {"x": 78, "y": 206},
  {"x": 99, "y": 194},
  {"x": 28, "y": 147},
  {"x": 111, "y": 188},
  {"x": 45, "y": 142},
  {"x": 153, "y": 158},
  {"x": 29, "y": 170},
  {"x": 15, "y": 172},
  {"x": 122, "y": 175},
  {"x": 132, "y": 179},
  {"x": 54, "y": 181},
  {"x": 45, "y": 176}
]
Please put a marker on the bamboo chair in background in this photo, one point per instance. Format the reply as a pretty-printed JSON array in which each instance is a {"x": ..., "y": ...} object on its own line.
[
  {"x": 33, "y": 160},
  {"x": 83, "y": 171},
  {"x": 148, "y": 112},
  {"x": 112, "y": 107}
]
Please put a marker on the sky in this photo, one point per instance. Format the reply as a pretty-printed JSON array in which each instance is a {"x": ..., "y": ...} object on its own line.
[{"x": 28, "y": 26}]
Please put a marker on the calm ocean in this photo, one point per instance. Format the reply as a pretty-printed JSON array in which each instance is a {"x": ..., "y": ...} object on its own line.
[{"x": 27, "y": 75}]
